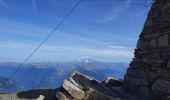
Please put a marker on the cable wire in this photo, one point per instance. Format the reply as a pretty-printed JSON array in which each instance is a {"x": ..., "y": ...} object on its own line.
[{"x": 46, "y": 38}]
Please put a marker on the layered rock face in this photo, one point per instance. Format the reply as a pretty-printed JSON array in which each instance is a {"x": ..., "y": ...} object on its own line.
[
  {"x": 149, "y": 72},
  {"x": 81, "y": 87}
]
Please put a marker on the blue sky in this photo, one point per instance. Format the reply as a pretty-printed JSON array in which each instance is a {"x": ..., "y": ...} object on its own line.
[{"x": 105, "y": 30}]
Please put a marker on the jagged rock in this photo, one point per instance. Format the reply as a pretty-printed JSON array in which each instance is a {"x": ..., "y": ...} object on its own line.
[
  {"x": 85, "y": 82},
  {"x": 82, "y": 87},
  {"x": 73, "y": 90},
  {"x": 112, "y": 82}
]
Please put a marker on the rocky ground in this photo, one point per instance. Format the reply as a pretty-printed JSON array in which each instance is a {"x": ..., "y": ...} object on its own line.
[{"x": 39, "y": 94}]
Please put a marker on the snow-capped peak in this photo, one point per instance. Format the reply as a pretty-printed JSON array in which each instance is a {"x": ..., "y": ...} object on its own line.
[{"x": 85, "y": 59}]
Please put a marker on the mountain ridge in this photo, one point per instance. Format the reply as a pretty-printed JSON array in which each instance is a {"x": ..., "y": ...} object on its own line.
[{"x": 39, "y": 75}]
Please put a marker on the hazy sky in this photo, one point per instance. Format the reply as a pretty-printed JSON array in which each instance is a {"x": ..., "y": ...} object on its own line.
[{"x": 104, "y": 30}]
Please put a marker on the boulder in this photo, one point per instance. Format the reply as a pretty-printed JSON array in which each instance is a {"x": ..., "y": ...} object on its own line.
[
  {"x": 161, "y": 85},
  {"x": 153, "y": 44},
  {"x": 163, "y": 41}
]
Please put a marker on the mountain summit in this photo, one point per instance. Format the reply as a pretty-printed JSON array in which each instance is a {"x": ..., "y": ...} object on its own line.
[{"x": 85, "y": 60}]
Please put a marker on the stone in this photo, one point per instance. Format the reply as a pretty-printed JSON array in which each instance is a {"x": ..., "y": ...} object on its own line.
[
  {"x": 166, "y": 6},
  {"x": 144, "y": 82},
  {"x": 75, "y": 83},
  {"x": 153, "y": 44},
  {"x": 161, "y": 85},
  {"x": 163, "y": 72},
  {"x": 144, "y": 90},
  {"x": 61, "y": 96},
  {"x": 152, "y": 75},
  {"x": 163, "y": 41},
  {"x": 164, "y": 25},
  {"x": 168, "y": 64},
  {"x": 134, "y": 80},
  {"x": 86, "y": 82},
  {"x": 144, "y": 44},
  {"x": 82, "y": 87},
  {"x": 153, "y": 61},
  {"x": 149, "y": 29},
  {"x": 165, "y": 55},
  {"x": 73, "y": 90},
  {"x": 112, "y": 82},
  {"x": 41, "y": 97}
]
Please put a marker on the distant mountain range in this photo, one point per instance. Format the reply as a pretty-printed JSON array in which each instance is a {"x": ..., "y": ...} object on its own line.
[
  {"x": 7, "y": 85},
  {"x": 51, "y": 75}
]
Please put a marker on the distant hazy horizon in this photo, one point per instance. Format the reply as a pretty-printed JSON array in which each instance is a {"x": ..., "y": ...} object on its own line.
[{"x": 59, "y": 61}]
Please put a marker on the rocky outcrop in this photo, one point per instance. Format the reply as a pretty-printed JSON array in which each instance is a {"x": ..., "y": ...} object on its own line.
[
  {"x": 81, "y": 87},
  {"x": 149, "y": 72}
]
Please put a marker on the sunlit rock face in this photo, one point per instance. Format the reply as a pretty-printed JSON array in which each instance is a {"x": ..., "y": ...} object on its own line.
[
  {"x": 82, "y": 87},
  {"x": 149, "y": 71}
]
